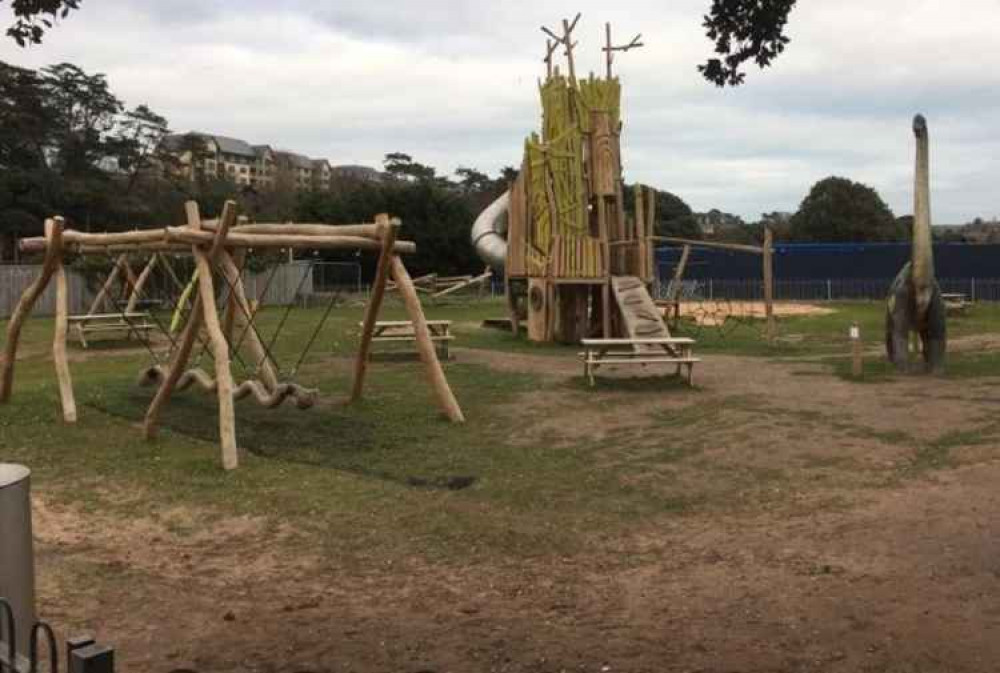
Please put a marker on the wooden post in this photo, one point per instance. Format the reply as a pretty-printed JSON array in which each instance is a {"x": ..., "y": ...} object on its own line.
[
  {"x": 184, "y": 347},
  {"x": 140, "y": 282},
  {"x": 217, "y": 340},
  {"x": 650, "y": 256},
  {"x": 769, "y": 283},
  {"x": 857, "y": 364},
  {"x": 387, "y": 230},
  {"x": 435, "y": 374},
  {"x": 21, "y": 313},
  {"x": 53, "y": 231},
  {"x": 263, "y": 365},
  {"x": 106, "y": 287}
]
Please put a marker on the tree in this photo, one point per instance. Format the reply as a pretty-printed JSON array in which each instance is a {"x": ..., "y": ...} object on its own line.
[
  {"x": 744, "y": 30},
  {"x": 25, "y": 120},
  {"x": 838, "y": 209},
  {"x": 85, "y": 114},
  {"x": 33, "y": 17},
  {"x": 401, "y": 166},
  {"x": 673, "y": 216},
  {"x": 139, "y": 142},
  {"x": 472, "y": 180}
]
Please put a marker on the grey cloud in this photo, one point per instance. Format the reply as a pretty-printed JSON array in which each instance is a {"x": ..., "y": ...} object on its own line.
[{"x": 453, "y": 82}]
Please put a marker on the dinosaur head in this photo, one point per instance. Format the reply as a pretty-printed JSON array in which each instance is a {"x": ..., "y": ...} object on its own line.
[{"x": 920, "y": 126}]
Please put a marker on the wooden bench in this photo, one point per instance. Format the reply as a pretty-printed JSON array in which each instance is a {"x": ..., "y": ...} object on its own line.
[
  {"x": 671, "y": 351},
  {"x": 395, "y": 331},
  {"x": 130, "y": 323}
]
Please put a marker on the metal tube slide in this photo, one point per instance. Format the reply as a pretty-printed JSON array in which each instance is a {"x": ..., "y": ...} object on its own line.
[{"x": 488, "y": 233}]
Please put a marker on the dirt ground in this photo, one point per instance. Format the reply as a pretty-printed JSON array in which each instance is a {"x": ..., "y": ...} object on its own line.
[{"x": 901, "y": 579}]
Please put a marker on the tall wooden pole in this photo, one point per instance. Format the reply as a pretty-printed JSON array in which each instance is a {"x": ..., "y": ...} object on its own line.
[
  {"x": 769, "y": 282},
  {"x": 54, "y": 230},
  {"x": 217, "y": 340},
  {"x": 425, "y": 346},
  {"x": 189, "y": 336},
  {"x": 387, "y": 230},
  {"x": 23, "y": 310}
]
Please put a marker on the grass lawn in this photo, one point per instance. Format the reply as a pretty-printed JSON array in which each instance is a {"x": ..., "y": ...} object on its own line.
[{"x": 390, "y": 475}]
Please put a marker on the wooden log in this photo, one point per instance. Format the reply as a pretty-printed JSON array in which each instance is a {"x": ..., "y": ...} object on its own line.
[
  {"x": 603, "y": 163},
  {"x": 297, "y": 229},
  {"x": 650, "y": 250},
  {"x": 183, "y": 352},
  {"x": 425, "y": 346},
  {"x": 472, "y": 281},
  {"x": 140, "y": 282},
  {"x": 768, "y": 265},
  {"x": 184, "y": 235},
  {"x": 174, "y": 248},
  {"x": 71, "y": 238},
  {"x": 388, "y": 236},
  {"x": 102, "y": 295},
  {"x": 59, "y": 358},
  {"x": 675, "y": 286},
  {"x": 217, "y": 340},
  {"x": 238, "y": 258},
  {"x": 736, "y": 247},
  {"x": 263, "y": 365},
  {"x": 21, "y": 313}
]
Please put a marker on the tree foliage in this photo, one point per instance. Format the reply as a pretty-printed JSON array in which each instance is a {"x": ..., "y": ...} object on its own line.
[
  {"x": 33, "y": 17},
  {"x": 838, "y": 209},
  {"x": 673, "y": 216},
  {"x": 742, "y": 31}
]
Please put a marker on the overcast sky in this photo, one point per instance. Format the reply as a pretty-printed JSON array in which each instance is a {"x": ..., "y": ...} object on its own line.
[{"x": 453, "y": 83}]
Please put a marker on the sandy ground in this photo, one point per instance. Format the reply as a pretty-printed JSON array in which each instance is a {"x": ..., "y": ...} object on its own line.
[
  {"x": 709, "y": 312},
  {"x": 900, "y": 579}
]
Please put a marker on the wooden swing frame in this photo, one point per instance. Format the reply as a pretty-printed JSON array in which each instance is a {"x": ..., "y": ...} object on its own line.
[{"x": 223, "y": 244}]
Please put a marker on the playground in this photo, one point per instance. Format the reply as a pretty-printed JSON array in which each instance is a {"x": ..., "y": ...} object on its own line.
[
  {"x": 778, "y": 516},
  {"x": 600, "y": 469}
]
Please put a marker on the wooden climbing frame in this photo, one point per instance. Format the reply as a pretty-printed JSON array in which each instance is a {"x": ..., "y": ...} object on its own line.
[{"x": 219, "y": 247}]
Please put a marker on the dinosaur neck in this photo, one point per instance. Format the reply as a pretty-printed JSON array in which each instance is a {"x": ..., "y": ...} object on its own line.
[{"x": 922, "y": 253}]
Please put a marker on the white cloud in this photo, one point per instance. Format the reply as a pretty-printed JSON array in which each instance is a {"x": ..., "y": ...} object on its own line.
[{"x": 453, "y": 83}]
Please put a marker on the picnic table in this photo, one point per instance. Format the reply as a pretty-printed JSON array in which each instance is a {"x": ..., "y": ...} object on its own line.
[
  {"x": 396, "y": 331},
  {"x": 130, "y": 323},
  {"x": 630, "y": 352}
]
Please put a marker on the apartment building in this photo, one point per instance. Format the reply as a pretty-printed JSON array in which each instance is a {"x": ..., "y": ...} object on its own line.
[{"x": 257, "y": 166}]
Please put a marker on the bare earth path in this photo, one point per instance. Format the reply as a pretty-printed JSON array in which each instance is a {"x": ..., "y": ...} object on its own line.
[{"x": 903, "y": 578}]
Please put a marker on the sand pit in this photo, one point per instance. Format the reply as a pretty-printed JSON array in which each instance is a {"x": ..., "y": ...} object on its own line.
[{"x": 716, "y": 311}]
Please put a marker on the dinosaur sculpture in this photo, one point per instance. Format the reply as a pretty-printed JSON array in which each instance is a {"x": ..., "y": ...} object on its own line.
[{"x": 914, "y": 303}]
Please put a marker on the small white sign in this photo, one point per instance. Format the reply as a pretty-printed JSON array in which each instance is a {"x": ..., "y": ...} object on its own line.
[{"x": 855, "y": 332}]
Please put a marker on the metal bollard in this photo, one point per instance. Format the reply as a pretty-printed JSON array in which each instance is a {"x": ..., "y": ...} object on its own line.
[{"x": 17, "y": 559}]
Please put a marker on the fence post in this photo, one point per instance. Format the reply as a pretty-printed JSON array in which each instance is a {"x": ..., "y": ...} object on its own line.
[
  {"x": 17, "y": 561},
  {"x": 711, "y": 292},
  {"x": 829, "y": 290},
  {"x": 972, "y": 294}
]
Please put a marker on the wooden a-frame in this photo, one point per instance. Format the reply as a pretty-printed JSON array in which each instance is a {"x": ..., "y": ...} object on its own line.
[{"x": 214, "y": 248}]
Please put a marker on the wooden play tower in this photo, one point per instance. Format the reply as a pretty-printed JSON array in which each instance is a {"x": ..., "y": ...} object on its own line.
[{"x": 570, "y": 242}]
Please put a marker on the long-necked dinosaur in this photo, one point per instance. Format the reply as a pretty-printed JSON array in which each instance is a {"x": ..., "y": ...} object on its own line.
[{"x": 914, "y": 303}]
